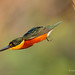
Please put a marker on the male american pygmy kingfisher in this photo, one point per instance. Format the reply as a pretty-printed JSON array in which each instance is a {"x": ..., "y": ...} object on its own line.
[{"x": 33, "y": 36}]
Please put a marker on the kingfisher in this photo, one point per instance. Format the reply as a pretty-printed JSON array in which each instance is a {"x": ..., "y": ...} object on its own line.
[{"x": 34, "y": 35}]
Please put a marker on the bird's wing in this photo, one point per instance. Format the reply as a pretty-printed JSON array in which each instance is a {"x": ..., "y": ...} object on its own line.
[{"x": 35, "y": 32}]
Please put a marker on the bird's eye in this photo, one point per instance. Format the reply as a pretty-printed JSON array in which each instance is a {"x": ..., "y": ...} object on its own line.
[{"x": 10, "y": 44}]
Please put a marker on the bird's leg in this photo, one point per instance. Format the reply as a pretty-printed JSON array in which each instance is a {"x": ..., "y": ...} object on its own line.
[{"x": 48, "y": 39}]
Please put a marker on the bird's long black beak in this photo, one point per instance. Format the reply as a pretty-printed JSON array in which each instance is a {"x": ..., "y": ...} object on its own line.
[{"x": 5, "y": 48}]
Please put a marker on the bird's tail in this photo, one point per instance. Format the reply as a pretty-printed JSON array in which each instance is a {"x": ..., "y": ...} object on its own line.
[{"x": 53, "y": 26}]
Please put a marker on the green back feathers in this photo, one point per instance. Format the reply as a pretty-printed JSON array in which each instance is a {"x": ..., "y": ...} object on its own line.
[{"x": 37, "y": 31}]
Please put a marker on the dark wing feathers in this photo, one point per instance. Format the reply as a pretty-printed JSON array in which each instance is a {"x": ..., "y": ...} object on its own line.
[{"x": 35, "y": 32}]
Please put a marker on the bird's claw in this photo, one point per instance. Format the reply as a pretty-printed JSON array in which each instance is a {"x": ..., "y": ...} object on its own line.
[{"x": 48, "y": 39}]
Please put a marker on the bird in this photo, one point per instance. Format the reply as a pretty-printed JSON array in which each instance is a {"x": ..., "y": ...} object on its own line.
[{"x": 34, "y": 35}]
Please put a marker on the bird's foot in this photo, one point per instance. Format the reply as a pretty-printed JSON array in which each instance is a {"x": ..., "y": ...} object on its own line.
[{"x": 48, "y": 39}]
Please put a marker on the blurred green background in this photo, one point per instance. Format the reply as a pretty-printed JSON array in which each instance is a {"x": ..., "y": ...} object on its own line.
[{"x": 45, "y": 58}]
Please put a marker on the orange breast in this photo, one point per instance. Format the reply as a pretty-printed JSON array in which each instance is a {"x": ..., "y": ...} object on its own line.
[
  {"x": 28, "y": 43},
  {"x": 33, "y": 41}
]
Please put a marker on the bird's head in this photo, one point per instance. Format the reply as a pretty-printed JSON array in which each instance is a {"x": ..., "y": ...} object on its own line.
[{"x": 14, "y": 44}]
